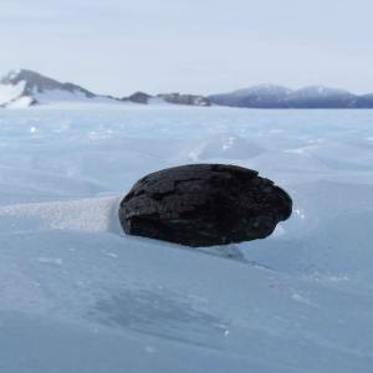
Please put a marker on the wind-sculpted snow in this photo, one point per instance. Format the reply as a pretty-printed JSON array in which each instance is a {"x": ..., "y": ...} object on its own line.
[{"x": 77, "y": 295}]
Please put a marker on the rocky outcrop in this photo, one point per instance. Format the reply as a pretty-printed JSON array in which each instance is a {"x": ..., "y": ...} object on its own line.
[
  {"x": 170, "y": 98},
  {"x": 204, "y": 205},
  {"x": 139, "y": 98},
  {"x": 37, "y": 83},
  {"x": 184, "y": 99}
]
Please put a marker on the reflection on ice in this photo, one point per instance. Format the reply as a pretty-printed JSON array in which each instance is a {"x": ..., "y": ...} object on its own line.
[{"x": 162, "y": 313}]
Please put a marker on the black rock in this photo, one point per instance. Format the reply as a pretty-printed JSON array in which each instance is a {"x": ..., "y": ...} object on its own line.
[{"x": 204, "y": 205}]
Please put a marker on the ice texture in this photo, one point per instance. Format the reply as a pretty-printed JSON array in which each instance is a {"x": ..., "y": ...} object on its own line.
[{"x": 77, "y": 295}]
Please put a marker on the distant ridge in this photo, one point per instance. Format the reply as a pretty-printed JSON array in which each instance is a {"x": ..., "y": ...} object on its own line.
[
  {"x": 24, "y": 88},
  {"x": 37, "y": 83},
  {"x": 277, "y": 97}
]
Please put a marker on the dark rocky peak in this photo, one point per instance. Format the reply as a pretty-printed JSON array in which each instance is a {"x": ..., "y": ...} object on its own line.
[
  {"x": 37, "y": 83},
  {"x": 139, "y": 98}
]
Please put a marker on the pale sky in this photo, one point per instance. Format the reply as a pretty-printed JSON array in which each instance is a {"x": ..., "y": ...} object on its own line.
[{"x": 195, "y": 46}]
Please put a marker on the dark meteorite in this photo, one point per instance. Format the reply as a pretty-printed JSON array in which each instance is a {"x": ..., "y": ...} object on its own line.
[{"x": 204, "y": 205}]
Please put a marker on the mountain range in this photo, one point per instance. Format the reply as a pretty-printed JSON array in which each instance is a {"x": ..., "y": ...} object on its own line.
[
  {"x": 277, "y": 97},
  {"x": 25, "y": 88}
]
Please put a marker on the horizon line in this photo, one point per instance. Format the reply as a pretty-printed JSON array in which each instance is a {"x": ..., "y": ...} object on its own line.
[{"x": 233, "y": 90}]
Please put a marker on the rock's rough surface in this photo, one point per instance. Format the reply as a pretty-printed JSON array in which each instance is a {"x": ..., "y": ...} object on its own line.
[{"x": 204, "y": 205}]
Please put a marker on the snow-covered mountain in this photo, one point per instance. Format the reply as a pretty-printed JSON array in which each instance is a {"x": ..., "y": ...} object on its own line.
[
  {"x": 263, "y": 90},
  {"x": 24, "y": 88},
  {"x": 320, "y": 97},
  {"x": 271, "y": 96},
  {"x": 263, "y": 96},
  {"x": 365, "y": 101}
]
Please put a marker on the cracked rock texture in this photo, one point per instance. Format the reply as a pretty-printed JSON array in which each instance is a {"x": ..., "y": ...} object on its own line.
[{"x": 204, "y": 205}]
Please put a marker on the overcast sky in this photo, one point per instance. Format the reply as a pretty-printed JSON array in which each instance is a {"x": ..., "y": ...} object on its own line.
[{"x": 201, "y": 46}]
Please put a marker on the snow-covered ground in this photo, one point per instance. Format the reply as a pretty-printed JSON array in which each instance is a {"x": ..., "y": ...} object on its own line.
[
  {"x": 10, "y": 93},
  {"x": 77, "y": 296}
]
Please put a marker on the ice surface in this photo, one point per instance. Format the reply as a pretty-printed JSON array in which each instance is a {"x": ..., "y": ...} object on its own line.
[{"x": 76, "y": 295}]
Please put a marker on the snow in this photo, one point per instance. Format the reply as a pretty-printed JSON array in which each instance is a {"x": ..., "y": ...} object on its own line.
[
  {"x": 12, "y": 96},
  {"x": 320, "y": 91},
  {"x": 59, "y": 96},
  {"x": 20, "y": 103},
  {"x": 8, "y": 93},
  {"x": 264, "y": 89},
  {"x": 79, "y": 296}
]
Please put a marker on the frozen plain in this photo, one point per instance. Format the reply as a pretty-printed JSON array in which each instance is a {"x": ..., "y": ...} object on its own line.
[{"x": 77, "y": 296}]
